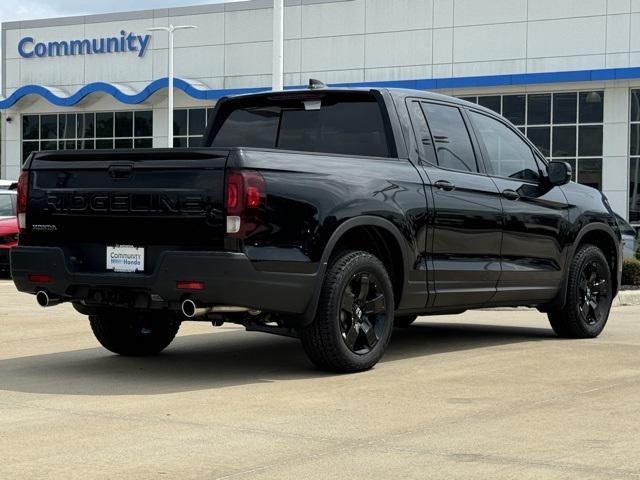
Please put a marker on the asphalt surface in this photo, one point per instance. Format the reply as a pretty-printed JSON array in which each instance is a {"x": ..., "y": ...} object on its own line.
[{"x": 481, "y": 395}]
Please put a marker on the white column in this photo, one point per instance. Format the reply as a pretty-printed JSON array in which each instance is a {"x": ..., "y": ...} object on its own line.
[
  {"x": 615, "y": 148},
  {"x": 170, "y": 91},
  {"x": 171, "y": 29},
  {"x": 3, "y": 161},
  {"x": 278, "y": 45},
  {"x": 11, "y": 147}
]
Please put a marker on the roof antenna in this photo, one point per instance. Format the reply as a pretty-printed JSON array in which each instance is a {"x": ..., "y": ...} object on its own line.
[{"x": 316, "y": 84}]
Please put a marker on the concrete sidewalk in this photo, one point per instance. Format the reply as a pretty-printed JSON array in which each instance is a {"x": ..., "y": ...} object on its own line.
[
  {"x": 481, "y": 395},
  {"x": 627, "y": 298}
]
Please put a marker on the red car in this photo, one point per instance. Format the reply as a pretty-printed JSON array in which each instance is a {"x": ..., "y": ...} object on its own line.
[{"x": 8, "y": 227}]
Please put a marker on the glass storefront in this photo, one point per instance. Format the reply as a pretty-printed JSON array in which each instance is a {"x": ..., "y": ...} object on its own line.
[
  {"x": 95, "y": 130},
  {"x": 564, "y": 126},
  {"x": 107, "y": 130},
  {"x": 189, "y": 125},
  {"x": 634, "y": 159}
]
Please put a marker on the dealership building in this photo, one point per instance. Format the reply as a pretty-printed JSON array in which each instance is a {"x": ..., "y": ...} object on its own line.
[{"x": 566, "y": 72}]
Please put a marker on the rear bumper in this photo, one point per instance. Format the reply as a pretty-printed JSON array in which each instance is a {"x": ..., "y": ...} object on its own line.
[{"x": 229, "y": 279}]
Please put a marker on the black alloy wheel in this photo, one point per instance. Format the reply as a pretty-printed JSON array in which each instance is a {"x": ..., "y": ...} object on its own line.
[
  {"x": 363, "y": 313},
  {"x": 593, "y": 293},
  {"x": 589, "y": 296},
  {"x": 354, "y": 319}
]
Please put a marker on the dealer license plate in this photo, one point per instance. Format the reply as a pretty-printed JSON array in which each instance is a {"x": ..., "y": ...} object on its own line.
[{"x": 125, "y": 258}]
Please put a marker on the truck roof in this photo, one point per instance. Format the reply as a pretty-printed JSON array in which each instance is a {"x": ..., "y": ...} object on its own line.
[{"x": 394, "y": 92}]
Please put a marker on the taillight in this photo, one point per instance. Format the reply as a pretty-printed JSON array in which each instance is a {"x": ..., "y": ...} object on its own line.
[
  {"x": 23, "y": 191},
  {"x": 39, "y": 278},
  {"x": 246, "y": 196},
  {"x": 189, "y": 285}
]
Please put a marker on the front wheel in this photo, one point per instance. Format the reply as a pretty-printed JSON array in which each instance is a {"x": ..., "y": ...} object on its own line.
[
  {"x": 354, "y": 321},
  {"x": 589, "y": 296},
  {"x": 131, "y": 333}
]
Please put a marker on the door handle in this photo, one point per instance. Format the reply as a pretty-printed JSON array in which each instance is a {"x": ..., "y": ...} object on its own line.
[
  {"x": 510, "y": 194},
  {"x": 444, "y": 185}
]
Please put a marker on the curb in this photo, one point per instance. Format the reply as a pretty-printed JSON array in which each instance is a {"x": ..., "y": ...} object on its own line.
[{"x": 627, "y": 298}]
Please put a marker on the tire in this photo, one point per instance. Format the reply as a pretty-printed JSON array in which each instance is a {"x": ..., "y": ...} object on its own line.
[
  {"x": 354, "y": 321},
  {"x": 130, "y": 333},
  {"x": 589, "y": 296},
  {"x": 404, "y": 321}
]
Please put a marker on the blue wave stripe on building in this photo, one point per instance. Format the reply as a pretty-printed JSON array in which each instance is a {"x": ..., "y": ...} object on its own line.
[{"x": 420, "y": 84}]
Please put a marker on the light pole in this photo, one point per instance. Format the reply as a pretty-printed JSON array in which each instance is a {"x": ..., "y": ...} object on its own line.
[
  {"x": 171, "y": 29},
  {"x": 278, "y": 45}
]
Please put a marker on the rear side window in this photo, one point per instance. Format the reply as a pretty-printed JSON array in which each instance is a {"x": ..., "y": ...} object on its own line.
[
  {"x": 451, "y": 137},
  {"x": 339, "y": 126},
  {"x": 423, "y": 136},
  {"x": 7, "y": 208}
]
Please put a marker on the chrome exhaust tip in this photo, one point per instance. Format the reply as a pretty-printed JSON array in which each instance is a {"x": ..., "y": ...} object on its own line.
[
  {"x": 44, "y": 300},
  {"x": 191, "y": 310}
]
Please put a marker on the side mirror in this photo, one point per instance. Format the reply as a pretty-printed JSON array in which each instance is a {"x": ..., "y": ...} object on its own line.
[{"x": 559, "y": 173}]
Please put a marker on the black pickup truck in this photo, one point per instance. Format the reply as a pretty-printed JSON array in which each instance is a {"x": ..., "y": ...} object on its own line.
[{"x": 331, "y": 215}]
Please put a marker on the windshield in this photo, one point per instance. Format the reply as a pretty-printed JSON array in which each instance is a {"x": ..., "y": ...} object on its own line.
[{"x": 7, "y": 206}]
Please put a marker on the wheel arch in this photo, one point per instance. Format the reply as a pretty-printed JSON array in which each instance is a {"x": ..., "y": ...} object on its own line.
[
  {"x": 375, "y": 235},
  {"x": 602, "y": 236}
]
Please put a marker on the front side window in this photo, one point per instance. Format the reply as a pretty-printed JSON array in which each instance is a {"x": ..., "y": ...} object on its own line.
[
  {"x": 451, "y": 137},
  {"x": 565, "y": 126},
  {"x": 508, "y": 155}
]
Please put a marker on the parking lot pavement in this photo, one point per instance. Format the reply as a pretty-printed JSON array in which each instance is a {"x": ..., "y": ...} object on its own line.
[{"x": 481, "y": 395}]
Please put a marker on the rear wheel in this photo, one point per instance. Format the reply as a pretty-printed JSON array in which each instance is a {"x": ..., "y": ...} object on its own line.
[
  {"x": 354, "y": 321},
  {"x": 131, "y": 333},
  {"x": 589, "y": 296}
]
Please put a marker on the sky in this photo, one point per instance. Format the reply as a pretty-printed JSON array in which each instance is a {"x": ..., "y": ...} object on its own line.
[{"x": 11, "y": 10}]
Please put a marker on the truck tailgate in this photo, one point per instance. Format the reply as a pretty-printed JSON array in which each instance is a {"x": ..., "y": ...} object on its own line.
[{"x": 158, "y": 200}]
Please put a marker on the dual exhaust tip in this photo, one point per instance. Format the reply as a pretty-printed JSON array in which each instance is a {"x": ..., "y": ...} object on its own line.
[{"x": 188, "y": 307}]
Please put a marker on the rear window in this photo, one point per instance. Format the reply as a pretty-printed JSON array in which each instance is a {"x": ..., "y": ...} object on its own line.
[
  {"x": 339, "y": 124},
  {"x": 7, "y": 207}
]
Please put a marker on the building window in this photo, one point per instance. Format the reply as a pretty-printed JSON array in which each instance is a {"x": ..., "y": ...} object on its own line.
[
  {"x": 189, "y": 125},
  {"x": 564, "y": 126},
  {"x": 96, "y": 130},
  {"x": 634, "y": 159}
]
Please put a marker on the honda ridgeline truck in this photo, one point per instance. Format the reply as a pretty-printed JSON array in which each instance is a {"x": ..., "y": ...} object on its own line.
[{"x": 331, "y": 215}]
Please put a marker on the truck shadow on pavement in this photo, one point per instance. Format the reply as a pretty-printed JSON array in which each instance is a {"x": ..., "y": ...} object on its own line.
[{"x": 223, "y": 359}]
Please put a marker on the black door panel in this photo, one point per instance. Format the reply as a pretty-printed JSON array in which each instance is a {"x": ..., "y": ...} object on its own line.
[
  {"x": 465, "y": 228},
  {"x": 535, "y": 215},
  {"x": 532, "y": 253},
  {"x": 466, "y": 238}
]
